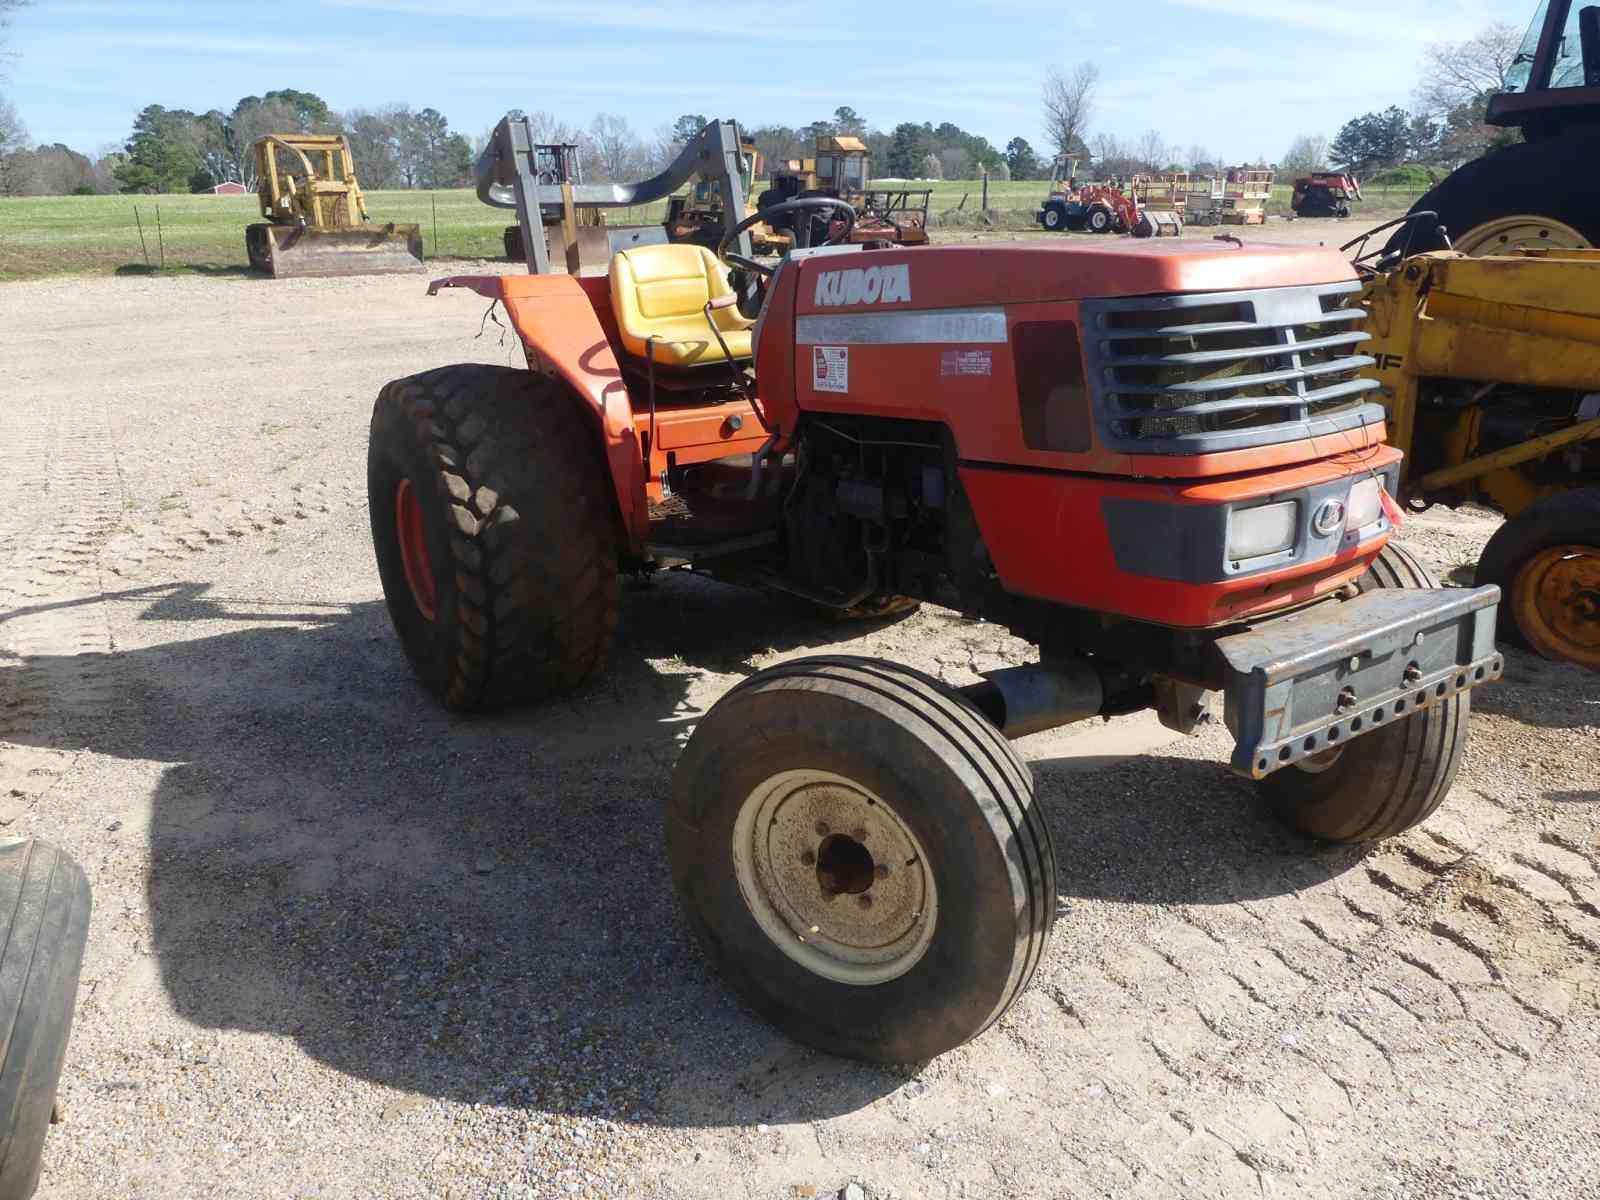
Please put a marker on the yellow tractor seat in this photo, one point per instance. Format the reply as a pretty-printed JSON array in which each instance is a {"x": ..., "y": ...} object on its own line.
[{"x": 661, "y": 292}]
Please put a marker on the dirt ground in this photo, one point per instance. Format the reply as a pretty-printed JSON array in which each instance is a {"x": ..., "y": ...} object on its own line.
[{"x": 345, "y": 945}]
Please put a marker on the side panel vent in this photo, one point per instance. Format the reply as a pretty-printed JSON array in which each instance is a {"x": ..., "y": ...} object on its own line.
[{"x": 1050, "y": 387}]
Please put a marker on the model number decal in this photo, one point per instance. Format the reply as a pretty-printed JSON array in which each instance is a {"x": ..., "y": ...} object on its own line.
[
  {"x": 966, "y": 362},
  {"x": 830, "y": 368},
  {"x": 865, "y": 285}
]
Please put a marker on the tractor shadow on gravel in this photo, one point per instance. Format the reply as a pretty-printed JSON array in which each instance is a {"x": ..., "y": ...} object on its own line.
[{"x": 478, "y": 909}]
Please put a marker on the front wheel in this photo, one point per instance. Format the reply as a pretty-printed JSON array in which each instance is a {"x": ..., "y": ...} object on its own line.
[
  {"x": 1099, "y": 220},
  {"x": 859, "y": 853},
  {"x": 1387, "y": 780},
  {"x": 1054, "y": 219}
]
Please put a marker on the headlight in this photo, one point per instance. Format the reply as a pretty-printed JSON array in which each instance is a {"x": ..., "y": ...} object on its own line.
[
  {"x": 1267, "y": 529},
  {"x": 1365, "y": 504}
]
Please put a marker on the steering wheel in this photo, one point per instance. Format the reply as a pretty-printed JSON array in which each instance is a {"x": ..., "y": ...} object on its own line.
[{"x": 802, "y": 229}]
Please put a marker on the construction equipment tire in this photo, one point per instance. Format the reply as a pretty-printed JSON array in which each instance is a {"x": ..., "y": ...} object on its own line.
[
  {"x": 495, "y": 532},
  {"x": 256, "y": 248},
  {"x": 1383, "y": 782},
  {"x": 513, "y": 244},
  {"x": 1532, "y": 179},
  {"x": 1546, "y": 560},
  {"x": 1099, "y": 220},
  {"x": 44, "y": 909},
  {"x": 1054, "y": 220},
  {"x": 858, "y": 851}
]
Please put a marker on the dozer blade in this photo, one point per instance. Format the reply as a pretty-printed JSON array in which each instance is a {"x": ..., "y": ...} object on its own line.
[{"x": 389, "y": 249}]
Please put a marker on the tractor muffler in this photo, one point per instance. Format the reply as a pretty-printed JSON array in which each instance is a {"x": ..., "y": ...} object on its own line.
[{"x": 1023, "y": 700}]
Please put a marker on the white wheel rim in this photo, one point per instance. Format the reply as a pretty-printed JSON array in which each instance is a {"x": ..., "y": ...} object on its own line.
[
  {"x": 834, "y": 877},
  {"x": 1511, "y": 234}
]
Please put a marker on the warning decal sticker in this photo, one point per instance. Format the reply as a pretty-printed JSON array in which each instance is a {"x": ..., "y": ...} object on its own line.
[
  {"x": 966, "y": 362},
  {"x": 830, "y": 368}
]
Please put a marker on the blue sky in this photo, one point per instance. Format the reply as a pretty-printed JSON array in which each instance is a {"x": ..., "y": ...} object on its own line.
[{"x": 1239, "y": 77}]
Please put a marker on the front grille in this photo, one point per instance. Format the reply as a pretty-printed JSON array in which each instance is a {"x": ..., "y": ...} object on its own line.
[{"x": 1202, "y": 372}]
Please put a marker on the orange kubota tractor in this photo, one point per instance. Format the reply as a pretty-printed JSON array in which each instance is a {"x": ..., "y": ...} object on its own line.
[{"x": 1158, "y": 462}]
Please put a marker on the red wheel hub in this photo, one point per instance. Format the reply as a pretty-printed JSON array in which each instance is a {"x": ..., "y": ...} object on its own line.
[{"x": 414, "y": 548}]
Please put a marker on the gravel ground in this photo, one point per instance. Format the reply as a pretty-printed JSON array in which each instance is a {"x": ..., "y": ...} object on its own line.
[{"x": 345, "y": 945}]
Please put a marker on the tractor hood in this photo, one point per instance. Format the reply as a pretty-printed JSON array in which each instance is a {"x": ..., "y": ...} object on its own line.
[{"x": 843, "y": 279}]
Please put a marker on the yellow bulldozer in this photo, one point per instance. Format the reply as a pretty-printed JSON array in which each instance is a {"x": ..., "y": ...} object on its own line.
[
  {"x": 1489, "y": 366},
  {"x": 316, "y": 216}
]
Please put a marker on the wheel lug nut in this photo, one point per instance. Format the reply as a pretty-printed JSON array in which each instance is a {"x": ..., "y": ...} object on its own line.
[
  {"x": 808, "y": 858},
  {"x": 822, "y": 829},
  {"x": 864, "y": 900}
]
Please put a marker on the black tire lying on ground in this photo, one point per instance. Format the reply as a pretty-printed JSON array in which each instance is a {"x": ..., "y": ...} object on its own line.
[
  {"x": 1385, "y": 781},
  {"x": 515, "y": 595},
  {"x": 44, "y": 908},
  {"x": 859, "y": 853}
]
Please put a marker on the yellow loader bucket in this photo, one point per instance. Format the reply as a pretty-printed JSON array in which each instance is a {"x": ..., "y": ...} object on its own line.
[{"x": 293, "y": 251}]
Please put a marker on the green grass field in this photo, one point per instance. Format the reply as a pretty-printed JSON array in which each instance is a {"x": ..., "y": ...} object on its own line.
[{"x": 54, "y": 235}]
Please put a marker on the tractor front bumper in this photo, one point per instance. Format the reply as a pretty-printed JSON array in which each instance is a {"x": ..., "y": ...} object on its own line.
[{"x": 1303, "y": 684}]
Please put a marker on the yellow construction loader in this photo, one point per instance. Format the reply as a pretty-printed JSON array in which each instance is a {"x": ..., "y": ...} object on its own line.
[
  {"x": 1490, "y": 369},
  {"x": 316, "y": 216}
]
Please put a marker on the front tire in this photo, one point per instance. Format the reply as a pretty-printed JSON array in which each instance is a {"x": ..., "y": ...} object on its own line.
[
  {"x": 1054, "y": 219},
  {"x": 1546, "y": 560},
  {"x": 495, "y": 533},
  {"x": 1386, "y": 781},
  {"x": 858, "y": 852},
  {"x": 1099, "y": 220}
]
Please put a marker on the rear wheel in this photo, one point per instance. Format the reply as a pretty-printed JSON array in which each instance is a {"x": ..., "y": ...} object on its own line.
[
  {"x": 1546, "y": 560},
  {"x": 1524, "y": 196},
  {"x": 1385, "y": 781},
  {"x": 495, "y": 533},
  {"x": 858, "y": 852},
  {"x": 512, "y": 240}
]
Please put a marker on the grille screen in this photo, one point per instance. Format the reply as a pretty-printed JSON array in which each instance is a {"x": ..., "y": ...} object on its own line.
[{"x": 1243, "y": 368}]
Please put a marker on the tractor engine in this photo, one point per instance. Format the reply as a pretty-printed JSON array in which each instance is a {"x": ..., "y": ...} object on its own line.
[{"x": 869, "y": 497}]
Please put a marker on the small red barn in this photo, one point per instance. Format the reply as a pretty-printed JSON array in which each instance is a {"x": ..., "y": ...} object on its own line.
[{"x": 230, "y": 188}]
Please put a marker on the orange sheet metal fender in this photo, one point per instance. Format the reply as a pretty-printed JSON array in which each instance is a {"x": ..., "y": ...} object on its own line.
[{"x": 562, "y": 335}]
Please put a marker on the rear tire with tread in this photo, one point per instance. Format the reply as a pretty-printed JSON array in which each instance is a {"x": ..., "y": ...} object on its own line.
[
  {"x": 950, "y": 777},
  {"x": 520, "y": 530},
  {"x": 1536, "y": 178},
  {"x": 1391, "y": 779}
]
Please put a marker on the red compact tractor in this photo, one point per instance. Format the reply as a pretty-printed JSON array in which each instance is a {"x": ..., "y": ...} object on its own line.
[{"x": 1160, "y": 463}]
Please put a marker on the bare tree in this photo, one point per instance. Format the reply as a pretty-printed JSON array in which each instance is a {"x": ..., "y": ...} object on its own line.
[
  {"x": 1068, "y": 104},
  {"x": 13, "y": 145},
  {"x": 1152, "y": 150},
  {"x": 930, "y": 166},
  {"x": 615, "y": 150},
  {"x": 1457, "y": 73},
  {"x": 955, "y": 163},
  {"x": 1308, "y": 152},
  {"x": 250, "y": 122},
  {"x": 1109, "y": 148}
]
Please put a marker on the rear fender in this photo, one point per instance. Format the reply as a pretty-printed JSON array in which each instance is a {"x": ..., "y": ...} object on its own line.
[{"x": 562, "y": 334}]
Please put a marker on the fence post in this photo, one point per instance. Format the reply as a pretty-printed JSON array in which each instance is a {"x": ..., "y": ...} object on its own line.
[{"x": 143, "y": 249}]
